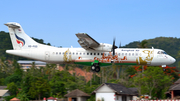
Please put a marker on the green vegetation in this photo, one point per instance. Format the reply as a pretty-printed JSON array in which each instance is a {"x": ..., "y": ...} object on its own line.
[
  {"x": 153, "y": 82},
  {"x": 47, "y": 81}
]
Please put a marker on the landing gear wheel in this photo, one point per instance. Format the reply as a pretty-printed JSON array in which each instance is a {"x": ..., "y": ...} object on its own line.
[
  {"x": 93, "y": 68},
  {"x": 97, "y": 69}
]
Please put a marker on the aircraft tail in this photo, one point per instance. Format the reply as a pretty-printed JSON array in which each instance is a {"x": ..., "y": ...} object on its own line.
[{"x": 20, "y": 40}]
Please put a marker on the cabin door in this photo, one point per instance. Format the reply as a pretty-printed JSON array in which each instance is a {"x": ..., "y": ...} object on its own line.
[{"x": 47, "y": 55}]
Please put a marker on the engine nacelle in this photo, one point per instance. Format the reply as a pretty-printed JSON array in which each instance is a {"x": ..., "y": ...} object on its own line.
[{"x": 104, "y": 47}]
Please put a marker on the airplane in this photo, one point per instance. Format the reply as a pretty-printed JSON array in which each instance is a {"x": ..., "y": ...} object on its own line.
[{"x": 92, "y": 53}]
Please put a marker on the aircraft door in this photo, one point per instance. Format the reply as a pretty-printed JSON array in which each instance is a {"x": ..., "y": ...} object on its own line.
[
  {"x": 47, "y": 55},
  {"x": 136, "y": 53}
]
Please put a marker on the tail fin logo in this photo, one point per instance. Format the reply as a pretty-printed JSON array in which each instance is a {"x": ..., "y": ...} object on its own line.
[{"x": 20, "y": 41}]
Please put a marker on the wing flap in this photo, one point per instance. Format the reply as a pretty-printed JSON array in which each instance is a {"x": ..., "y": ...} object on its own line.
[{"x": 86, "y": 41}]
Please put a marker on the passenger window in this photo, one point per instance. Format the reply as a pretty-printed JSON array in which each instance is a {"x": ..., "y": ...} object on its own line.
[
  {"x": 66, "y": 53},
  {"x": 79, "y": 53},
  {"x": 73, "y": 53},
  {"x": 122, "y": 54},
  {"x": 129, "y": 54},
  {"x": 63, "y": 53},
  {"x": 94, "y": 53},
  {"x": 126, "y": 54},
  {"x": 87, "y": 53},
  {"x": 119, "y": 54},
  {"x": 101, "y": 53},
  {"x": 97, "y": 53},
  {"x": 56, "y": 52},
  {"x": 69, "y": 53},
  {"x": 83, "y": 53},
  {"x": 76, "y": 53},
  {"x": 91, "y": 53},
  {"x": 132, "y": 54},
  {"x": 59, "y": 53},
  {"x": 136, "y": 54}
]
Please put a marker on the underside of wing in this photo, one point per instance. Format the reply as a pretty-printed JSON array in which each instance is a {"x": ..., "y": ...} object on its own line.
[{"x": 86, "y": 41}]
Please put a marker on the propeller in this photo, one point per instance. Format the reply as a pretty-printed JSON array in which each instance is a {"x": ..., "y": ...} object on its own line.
[
  {"x": 120, "y": 45},
  {"x": 114, "y": 47}
]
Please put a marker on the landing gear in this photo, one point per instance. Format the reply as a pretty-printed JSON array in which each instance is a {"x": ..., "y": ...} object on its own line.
[
  {"x": 163, "y": 66},
  {"x": 95, "y": 67}
]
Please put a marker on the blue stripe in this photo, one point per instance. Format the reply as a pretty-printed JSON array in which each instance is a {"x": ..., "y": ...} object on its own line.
[{"x": 20, "y": 39}]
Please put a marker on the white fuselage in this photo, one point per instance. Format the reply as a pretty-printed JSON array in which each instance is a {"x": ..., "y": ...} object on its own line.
[{"x": 127, "y": 56}]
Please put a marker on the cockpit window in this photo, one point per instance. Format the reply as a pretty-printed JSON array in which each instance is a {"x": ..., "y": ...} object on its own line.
[
  {"x": 164, "y": 52},
  {"x": 161, "y": 52}
]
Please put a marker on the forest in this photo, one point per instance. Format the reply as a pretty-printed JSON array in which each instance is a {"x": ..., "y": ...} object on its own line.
[{"x": 48, "y": 81}]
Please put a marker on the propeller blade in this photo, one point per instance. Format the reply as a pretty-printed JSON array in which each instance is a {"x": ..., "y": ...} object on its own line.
[
  {"x": 120, "y": 45},
  {"x": 114, "y": 47}
]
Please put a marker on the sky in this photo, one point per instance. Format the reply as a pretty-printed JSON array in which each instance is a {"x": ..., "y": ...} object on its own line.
[{"x": 57, "y": 21}]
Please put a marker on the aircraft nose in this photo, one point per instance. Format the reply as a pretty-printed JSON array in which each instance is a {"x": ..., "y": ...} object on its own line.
[{"x": 173, "y": 60}]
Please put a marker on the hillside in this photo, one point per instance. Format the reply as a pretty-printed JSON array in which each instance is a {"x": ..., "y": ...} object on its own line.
[{"x": 79, "y": 72}]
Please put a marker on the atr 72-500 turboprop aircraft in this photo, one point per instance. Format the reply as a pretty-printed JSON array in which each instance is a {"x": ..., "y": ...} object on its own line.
[{"x": 92, "y": 53}]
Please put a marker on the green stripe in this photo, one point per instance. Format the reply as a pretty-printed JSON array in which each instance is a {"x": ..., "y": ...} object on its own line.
[{"x": 103, "y": 64}]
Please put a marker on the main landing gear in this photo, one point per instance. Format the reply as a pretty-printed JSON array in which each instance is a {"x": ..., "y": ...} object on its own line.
[{"x": 95, "y": 67}]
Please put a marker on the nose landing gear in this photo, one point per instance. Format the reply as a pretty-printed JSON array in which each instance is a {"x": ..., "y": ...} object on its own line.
[
  {"x": 95, "y": 67},
  {"x": 163, "y": 66}
]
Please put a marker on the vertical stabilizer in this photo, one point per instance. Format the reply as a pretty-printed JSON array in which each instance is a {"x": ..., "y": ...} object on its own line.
[{"x": 19, "y": 39}]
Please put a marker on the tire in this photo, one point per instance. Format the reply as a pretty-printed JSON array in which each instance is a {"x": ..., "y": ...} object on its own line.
[
  {"x": 97, "y": 69},
  {"x": 93, "y": 68}
]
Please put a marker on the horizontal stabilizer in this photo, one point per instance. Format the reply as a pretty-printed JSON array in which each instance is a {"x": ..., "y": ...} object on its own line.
[{"x": 14, "y": 26}]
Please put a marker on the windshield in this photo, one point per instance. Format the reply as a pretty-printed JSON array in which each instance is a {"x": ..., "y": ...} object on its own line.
[{"x": 162, "y": 52}]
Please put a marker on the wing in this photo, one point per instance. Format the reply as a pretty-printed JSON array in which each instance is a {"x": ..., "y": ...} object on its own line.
[{"x": 86, "y": 41}]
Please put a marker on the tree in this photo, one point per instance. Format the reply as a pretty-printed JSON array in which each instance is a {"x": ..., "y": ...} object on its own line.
[
  {"x": 13, "y": 89},
  {"x": 17, "y": 68},
  {"x": 143, "y": 44},
  {"x": 23, "y": 96},
  {"x": 39, "y": 87},
  {"x": 60, "y": 83},
  {"x": 116, "y": 70},
  {"x": 152, "y": 80},
  {"x": 13, "y": 78}
]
